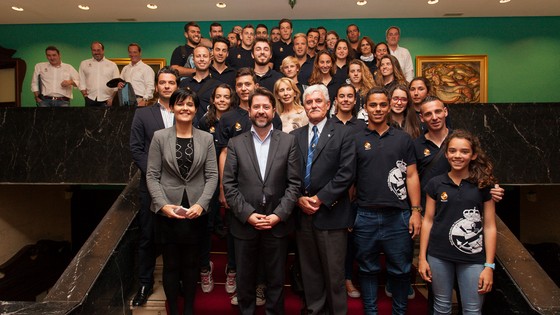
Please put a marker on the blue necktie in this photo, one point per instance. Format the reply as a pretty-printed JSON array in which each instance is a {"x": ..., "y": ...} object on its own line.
[{"x": 310, "y": 152}]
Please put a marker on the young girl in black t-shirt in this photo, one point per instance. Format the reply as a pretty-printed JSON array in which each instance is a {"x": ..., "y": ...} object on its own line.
[{"x": 459, "y": 228}]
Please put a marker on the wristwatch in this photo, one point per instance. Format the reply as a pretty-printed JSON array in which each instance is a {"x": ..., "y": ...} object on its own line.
[{"x": 493, "y": 266}]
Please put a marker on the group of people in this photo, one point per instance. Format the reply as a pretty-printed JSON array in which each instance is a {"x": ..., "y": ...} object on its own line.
[{"x": 328, "y": 138}]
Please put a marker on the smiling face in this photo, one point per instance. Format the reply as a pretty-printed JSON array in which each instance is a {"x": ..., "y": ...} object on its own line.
[
  {"x": 393, "y": 37},
  {"x": 134, "y": 54},
  {"x": 216, "y": 31},
  {"x": 193, "y": 35},
  {"x": 459, "y": 154},
  {"x": 244, "y": 85},
  {"x": 262, "y": 32},
  {"x": 312, "y": 40},
  {"x": 433, "y": 114},
  {"x": 166, "y": 85},
  {"x": 386, "y": 67},
  {"x": 399, "y": 101},
  {"x": 184, "y": 110},
  {"x": 262, "y": 53},
  {"x": 325, "y": 64},
  {"x": 345, "y": 99},
  {"x": 97, "y": 51},
  {"x": 380, "y": 51},
  {"x": 220, "y": 52},
  {"x": 365, "y": 47},
  {"x": 201, "y": 58},
  {"x": 261, "y": 111},
  {"x": 275, "y": 35},
  {"x": 222, "y": 99},
  {"x": 247, "y": 37},
  {"x": 331, "y": 41},
  {"x": 300, "y": 46},
  {"x": 377, "y": 107},
  {"x": 285, "y": 94}
]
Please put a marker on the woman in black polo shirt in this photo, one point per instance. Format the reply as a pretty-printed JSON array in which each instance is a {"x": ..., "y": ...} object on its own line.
[{"x": 459, "y": 228}]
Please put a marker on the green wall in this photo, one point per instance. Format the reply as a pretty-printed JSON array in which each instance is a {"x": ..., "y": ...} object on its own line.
[{"x": 523, "y": 52}]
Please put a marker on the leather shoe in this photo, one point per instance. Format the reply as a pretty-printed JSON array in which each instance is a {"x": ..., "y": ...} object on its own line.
[{"x": 142, "y": 295}]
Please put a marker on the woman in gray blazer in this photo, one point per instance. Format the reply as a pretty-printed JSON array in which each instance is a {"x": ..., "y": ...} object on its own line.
[{"x": 182, "y": 176}]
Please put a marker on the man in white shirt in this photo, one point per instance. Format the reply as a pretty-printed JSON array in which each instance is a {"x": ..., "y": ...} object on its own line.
[
  {"x": 94, "y": 75},
  {"x": 393, "y": 36},
  {"x": 139, "y": 75},
  {"x": 52, "y": 81}
]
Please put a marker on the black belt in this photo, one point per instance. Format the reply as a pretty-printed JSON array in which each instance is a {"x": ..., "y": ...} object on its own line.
[{"x": 46, "y": 97}]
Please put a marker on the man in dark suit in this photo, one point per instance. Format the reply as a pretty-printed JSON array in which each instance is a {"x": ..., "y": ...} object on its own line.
[
  {"x": 328, "y": 158},
  {"x": 261, "y": 181},
  {"x": 148, "y": 120}
]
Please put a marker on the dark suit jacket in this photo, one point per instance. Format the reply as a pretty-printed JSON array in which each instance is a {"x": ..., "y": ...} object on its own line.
[
  {"x": 147, "y": 120},
  {"x": 244, "y": 187},
  {"x": 332, "y": 173}
]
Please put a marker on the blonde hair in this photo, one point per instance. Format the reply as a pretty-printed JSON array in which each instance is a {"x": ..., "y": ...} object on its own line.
[
  {"x": 367, "y": 78},
  {"x": 296, "y": 104}
]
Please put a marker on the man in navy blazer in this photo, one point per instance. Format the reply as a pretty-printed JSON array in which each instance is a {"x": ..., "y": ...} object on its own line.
[
  {"x": 261, "y": 182},
  {"x": 148, "y": 120},
  {"x": 328, "y": 168}
]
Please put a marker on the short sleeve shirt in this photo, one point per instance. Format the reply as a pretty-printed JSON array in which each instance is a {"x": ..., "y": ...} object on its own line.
[{"x": 457, "y": 231}]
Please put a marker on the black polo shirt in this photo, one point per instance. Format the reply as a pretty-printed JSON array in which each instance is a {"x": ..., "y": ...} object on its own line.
[
  {"x": 457, "y": 233},
  {"x": 381, "y": 169},
  {"x": 305, "y": 71},
  {"x": 268, "y": 79},
  {"x": 236, "y": 122},
  {"x": 430, "y": 161},
  {"x": 180, "y": 59},
  {"x": 240, "y": 57},
  {"x": 227, "y": 76},
  {"x": 356, "y": 125},
  {"x": 213, "y": 130},
  {"x": 204, "y": 90},
  {"x": 281, "y": 50}
]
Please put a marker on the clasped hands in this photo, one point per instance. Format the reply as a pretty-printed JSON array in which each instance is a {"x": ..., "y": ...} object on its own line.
[
  {"x": 191, "y": 213},
  {"x": 309, "y": 205},
  {"x": 263, "y": 221}
]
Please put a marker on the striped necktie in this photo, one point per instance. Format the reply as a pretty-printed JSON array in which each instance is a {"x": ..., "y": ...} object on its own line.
[{"x": 310, "y": 152}]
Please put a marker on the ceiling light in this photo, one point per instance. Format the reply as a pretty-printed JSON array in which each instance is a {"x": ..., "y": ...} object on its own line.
[
  {"x": 17, "y": 9},
  {"x": 83, "y": 7},
  {"x": 504, "y": 1},
  {"x": 151, "y": 6},
  {"x": 361, "y": 2},
  {"x": 221, "y": 5},
  {"x": 433, "y": 1}
]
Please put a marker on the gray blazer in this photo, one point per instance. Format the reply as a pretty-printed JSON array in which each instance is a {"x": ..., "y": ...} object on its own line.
[{"x": 165, "y": 183}]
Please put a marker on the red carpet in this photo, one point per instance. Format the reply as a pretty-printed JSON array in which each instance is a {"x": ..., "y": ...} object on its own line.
[{"x": 218, "y": 301}]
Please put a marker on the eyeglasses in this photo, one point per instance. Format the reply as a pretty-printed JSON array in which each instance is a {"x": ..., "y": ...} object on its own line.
[{"x": 402, "y": 99}]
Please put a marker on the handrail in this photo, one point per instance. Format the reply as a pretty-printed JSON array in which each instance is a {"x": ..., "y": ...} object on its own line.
[{"x": 540, "y": 292}]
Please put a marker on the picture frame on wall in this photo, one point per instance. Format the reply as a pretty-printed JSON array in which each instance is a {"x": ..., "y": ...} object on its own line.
[
  {"x": 155, "y": 63},
  {"x": 456, "y": 78}
]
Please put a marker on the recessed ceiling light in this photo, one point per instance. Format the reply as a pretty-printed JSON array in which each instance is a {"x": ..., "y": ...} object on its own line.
[
  {"x": 504, "y": 1},
  {"x": 17, "y": 9},
  {"x": 433, "y": 1},
  {"x": 221, "y": 5},
  {"x": 83, "y": 7},
  {"x": 361, "y": 2},
  {"x": 151, "y": 6}
]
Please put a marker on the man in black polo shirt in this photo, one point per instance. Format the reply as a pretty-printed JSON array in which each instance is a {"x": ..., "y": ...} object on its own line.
[
  {"x": 387, "y": 185},
  {"x": 305, "y": 61},
  {"x": 284, "y": 47},
  {"x": 182, "y": 59},
  {"x": 201, "y": 82},
  {"x": 241, "y": 56},
  {"x": 219, "y": 70},
  {"x": 345, "y": 100},
  {"x": 262, "y": 53}
]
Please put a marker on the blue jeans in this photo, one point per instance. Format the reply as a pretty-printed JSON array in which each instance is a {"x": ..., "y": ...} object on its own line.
[
  {"x": 443, "y": 274},
  {"x": 53, "y": 103},
  {"x": 383, "y": 230}
]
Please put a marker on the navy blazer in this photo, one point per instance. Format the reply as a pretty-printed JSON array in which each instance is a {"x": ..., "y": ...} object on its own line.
[
  {"x": 147, "y": 120},
  {"x": 244, "y": 187},
  {"x": 332, "y": 173}
]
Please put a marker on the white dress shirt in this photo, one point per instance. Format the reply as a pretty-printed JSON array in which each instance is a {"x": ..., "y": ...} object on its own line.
[
  {"x": 261, "y": 148},
  {"x": 52, "y": 77},
  {"x": 403, "y": 56},
  {"x": 141, "y": 77},
  {"x": 94, "y": 76}
]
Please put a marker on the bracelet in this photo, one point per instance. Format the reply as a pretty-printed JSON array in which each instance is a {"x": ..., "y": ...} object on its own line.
[
  {"x": 417, "y": 208},
  {"x": 493, "y": 266}
]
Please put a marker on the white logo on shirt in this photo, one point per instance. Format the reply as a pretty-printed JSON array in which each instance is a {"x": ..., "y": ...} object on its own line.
[
  {"x": 396, "y": 180},
  {"x": 466, "y": 233}
]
